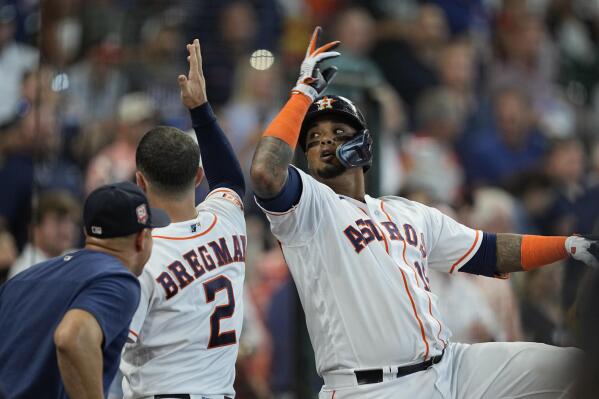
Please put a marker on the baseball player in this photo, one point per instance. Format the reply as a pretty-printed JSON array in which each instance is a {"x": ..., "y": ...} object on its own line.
[
  {"x": 361, "y": 263},
  {"x": 183, "y": 339}
]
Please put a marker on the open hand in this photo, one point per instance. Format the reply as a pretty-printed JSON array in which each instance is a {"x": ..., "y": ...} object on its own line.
[{"x": 193, "y": 86}]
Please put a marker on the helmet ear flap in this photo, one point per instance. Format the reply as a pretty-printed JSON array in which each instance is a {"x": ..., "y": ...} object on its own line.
[{"x": 329, "y": 73}]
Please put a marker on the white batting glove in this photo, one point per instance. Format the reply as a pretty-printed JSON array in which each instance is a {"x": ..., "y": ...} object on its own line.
[
  {"x": 311, "y": 81},
  {"x": 584, "y": 249}
]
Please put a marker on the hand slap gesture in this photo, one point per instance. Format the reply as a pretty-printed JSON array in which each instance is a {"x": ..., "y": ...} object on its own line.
[
  {"x": 311, "y": 81},
  {"x": 193, "y": 86}
]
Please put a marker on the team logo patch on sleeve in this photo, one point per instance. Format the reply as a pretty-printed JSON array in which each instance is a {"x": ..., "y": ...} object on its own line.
[{"x": 142, "y": 214}]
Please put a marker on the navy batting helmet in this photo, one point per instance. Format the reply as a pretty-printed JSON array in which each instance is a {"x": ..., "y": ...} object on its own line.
[{"x": 352, "y": 153}]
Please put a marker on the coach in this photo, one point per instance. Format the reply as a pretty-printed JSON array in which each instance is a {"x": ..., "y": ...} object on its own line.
[{"x": 63, "y": 322}]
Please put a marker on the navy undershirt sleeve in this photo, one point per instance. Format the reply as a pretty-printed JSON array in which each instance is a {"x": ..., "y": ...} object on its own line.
[
  {"x": 289, "y": 195},
  {"x": 221, "y": 166},
  {"x": 484, "y": 261}
]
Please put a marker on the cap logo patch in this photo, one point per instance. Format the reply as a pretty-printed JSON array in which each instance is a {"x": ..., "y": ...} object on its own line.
[
  {"x": 97, "y": 230},
  {"x": 142, "y": 214},
  {"x": 325, "y": 103}
]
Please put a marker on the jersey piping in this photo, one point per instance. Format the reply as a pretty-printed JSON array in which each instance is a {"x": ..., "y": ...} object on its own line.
[
  {"x": 467, "y": 253},
  {"x": 405, "y": 281},
  {"x": 193, "y": 236}
]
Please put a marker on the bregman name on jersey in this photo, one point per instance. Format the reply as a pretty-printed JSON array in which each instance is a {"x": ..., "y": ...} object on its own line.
[{"x": 198, "y": 261}]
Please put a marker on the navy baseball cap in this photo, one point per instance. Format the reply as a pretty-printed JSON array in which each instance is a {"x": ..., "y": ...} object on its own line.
[{"x": 120, "y": 209}]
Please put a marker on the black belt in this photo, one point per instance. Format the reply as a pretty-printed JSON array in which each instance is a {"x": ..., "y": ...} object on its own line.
[
  {"x": 178, "y": 396},
  {"x": 372, "y": 376}
]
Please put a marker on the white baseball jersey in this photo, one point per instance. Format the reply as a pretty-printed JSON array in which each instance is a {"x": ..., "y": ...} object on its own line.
[
  {"x": 184, "y": 336},
  {"x": 361, "y": 273}
]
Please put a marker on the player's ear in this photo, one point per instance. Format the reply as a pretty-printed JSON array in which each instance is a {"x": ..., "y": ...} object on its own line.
[
  {"x": 143, "y": 239},
  {"x": 141, "y": 181},
  {"x": 199, "y": 176},
  {"x": 139, "y": 241}
]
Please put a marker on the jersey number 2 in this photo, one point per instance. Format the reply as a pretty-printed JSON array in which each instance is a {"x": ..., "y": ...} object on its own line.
[{"x": 211, "y": 288}]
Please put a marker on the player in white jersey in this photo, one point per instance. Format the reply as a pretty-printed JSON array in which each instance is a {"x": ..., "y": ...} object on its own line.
[
  {"x": 183, "y": 339},
  {"x": 360, "y": 264}
]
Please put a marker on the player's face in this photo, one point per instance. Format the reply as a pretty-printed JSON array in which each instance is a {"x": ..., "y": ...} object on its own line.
[
  {"x": 322, "y": 140},
  {"x": 56, "y": 233}
]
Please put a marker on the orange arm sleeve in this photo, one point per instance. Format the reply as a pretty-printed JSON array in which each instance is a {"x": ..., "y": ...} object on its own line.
[
  {"x": 288, "y": 123},
  {"x": 537, "y": 251}
]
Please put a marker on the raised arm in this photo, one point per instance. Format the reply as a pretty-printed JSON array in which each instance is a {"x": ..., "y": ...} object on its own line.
[
  {"x": 275, "y": 150},
  {"x": 220, "y": 164},
  {"x": 506, "y": 253},
  {"x": 525, "y": 252},
  {"x": 489, "y": 254}
]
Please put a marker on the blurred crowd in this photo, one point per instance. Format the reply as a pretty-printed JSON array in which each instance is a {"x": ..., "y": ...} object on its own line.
[{"x": 485, "y": 109}]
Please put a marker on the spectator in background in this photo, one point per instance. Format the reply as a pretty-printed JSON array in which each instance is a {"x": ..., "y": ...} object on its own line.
[
  {"x": 136, "y": 116},
  {"x": 564, "y": 165},
  {"x": 359, "y": 78},
  {"x": 409, "y": 63},
  {"x": 429, "y": 156},
  {"x": 233, "y": 29},
  {"x": 15, "y": 60},
  {"x": 524, "y": 58},
  {"x": 535, "y": 193},
  {"x": 270, "y": 274},
  {"x": 540, "y": 306},
  {"x": 39, "y": 132},
  {"x": 54, "y": 230},
  {"x": 36, "y": 86},
  {"x": 495, "y": 210},
  {"x": 254, "y": 358},
  {"x": 158, "y": 61},
  {"x": 100, "y": 19},
  {"x": 252, "y": 106},
  {"x": 513, "y": 144},
  {"x": 468, "y": 324},
  {"x": 574, "y": 32},
  {"x": 95, "y": 86},
  {"x": 549, "y": 195},
  {"x": 17, "y": 152},
  {"x": 34, "y": 141},
  {"x": 52, "y": 168},
  {"x": 457, "y": 66},
  {"x": 59, "y": 36},
  {"x": 464, "y": 17}
]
